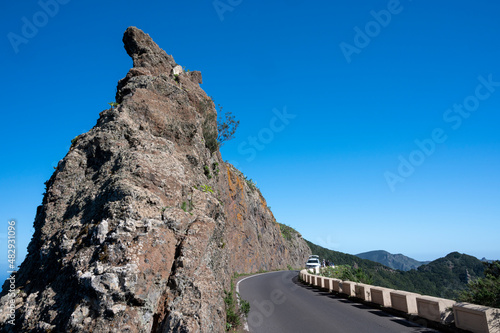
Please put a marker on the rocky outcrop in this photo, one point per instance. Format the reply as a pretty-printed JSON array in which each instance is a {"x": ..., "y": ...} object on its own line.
[{"x": 142, "y": 223}]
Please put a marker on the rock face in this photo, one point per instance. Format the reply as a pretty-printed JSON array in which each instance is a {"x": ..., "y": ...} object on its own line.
[{"x": 143, "y": 224}]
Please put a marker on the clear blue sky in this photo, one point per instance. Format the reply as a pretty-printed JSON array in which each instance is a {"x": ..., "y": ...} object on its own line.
[{"x": 356, "y": 86}]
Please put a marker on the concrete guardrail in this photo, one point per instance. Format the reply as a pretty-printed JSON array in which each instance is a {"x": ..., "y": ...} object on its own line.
[
  {"x": 381, "y": 296},
  {"x": 337, "y": 285},
  {"x": 435, "y": 309},
  {"x": 476, "y": 318},
  {"x": 328, "y": 284},
  {"x": 319, "y": 282},
  {"x": 466, "y": 316},
  {"x": 348, "y": 288},
  {"x": 362, "y": 291},
  {"x": 404, "y": 301}
]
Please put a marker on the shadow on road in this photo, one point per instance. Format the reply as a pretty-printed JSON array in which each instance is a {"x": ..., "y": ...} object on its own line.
[
  {"x": 404, "y": 319},
  {"x": 362, "y": 306},
  {"x": 380, "y": 313},
  {"x": 416, "y": 326}
]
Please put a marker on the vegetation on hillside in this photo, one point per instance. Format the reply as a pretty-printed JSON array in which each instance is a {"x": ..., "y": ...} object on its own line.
[
  {"x": 234, "y": 313},
  {"x": 445, "y": 277},
  {"x": 347, "y": 273},
  {"x": 486, "y": 290},
  {"x": 217, "y": 130},
  {"x": 226, "y": 126},
  {"x": 287, "y": 232}
]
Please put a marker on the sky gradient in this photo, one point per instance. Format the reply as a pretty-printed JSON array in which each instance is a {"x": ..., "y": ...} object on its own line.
[{"x": 368, "y": 125}]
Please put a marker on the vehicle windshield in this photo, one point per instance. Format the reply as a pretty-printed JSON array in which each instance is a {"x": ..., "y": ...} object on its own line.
[{"x": 313, "y": 261}]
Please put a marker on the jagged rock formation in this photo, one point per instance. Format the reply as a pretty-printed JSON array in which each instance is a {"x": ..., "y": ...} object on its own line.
[{"x": 142, "y": 223}]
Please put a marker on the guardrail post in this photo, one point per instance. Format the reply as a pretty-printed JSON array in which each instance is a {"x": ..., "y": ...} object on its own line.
[
  {"x": 337, "y": 285},
  {"x": 327, "y": 284},
  {"x": 404, "y": 301},
  {"x": 318, "y": 281},
  {"x": 435, "y": 309},
  {"x": 363, "y": 291},
  {"x": 476, "y": 318},
  {"x": 348, "y": 288},
  {"x": 381, "y": 296}
]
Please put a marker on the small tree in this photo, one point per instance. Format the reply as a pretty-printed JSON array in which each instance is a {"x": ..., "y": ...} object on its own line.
[
  {"x": 226, "y": 126},
  {"x": 217, "y": 131}
]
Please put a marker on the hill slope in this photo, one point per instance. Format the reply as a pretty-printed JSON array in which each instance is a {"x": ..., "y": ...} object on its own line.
[
  {"x": 396, "y": 261},
  {"x": 445, "y": 277}
]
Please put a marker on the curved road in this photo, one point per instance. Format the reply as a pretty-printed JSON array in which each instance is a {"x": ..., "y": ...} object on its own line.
[{"x": 279, "y": 303}]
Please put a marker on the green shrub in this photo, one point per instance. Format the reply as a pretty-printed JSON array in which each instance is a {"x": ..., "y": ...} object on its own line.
[
  {"x": 244, "y": 306},
  {"x": 217, "y": 131},
  {"x": 251, "y": 183},
  {"x": 210, "y": 132},
  {"x": 347, "y": 273},
  {"x": 215, "y": 168},
  {"x": 486, "y": 290},
  {"x": 206, "y": 188},
  {"x": 226, "y": 126},
  {"x": 232, "y": 315},
  {"x": 74, "y": 140},
  {"x": 187, "y": 206},
  {"x": 206, "y": 170},
  {"x": 287, "y": 232}
]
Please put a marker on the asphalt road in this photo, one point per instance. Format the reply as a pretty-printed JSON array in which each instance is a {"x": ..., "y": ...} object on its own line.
[{"x": 279, "y": 303}]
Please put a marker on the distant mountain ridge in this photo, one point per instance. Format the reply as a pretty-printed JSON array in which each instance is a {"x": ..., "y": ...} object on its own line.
[{"x": 395, "y": 261}]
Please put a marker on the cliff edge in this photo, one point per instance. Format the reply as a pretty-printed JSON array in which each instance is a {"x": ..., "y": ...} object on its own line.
[{"x": 142, "y": 223}]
